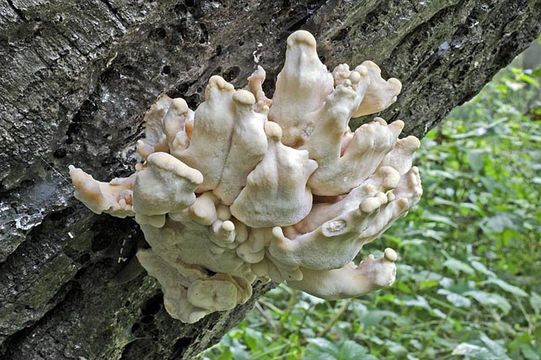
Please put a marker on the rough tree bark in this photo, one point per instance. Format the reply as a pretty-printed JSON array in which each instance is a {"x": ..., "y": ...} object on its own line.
[{"x": 76, "y": 77}]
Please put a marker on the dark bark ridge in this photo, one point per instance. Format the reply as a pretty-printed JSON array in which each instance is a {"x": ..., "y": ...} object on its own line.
[{"x": 76, "y": 78}]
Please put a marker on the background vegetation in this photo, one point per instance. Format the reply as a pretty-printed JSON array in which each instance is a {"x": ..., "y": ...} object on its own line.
[{"x": 468, "y": 283}]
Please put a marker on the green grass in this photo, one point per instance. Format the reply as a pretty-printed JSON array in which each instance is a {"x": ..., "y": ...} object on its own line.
[{"x": 468, "y": 283}]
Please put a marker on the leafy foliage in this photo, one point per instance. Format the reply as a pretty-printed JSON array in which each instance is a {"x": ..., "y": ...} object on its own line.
[{"x": 468, "y": 281}]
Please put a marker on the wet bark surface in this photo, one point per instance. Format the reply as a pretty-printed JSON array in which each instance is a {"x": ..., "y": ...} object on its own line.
[{"x": 75, "y": 80}]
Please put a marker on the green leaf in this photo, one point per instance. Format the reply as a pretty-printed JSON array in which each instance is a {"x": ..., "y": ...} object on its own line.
[
  {"x": 225, "y": 355},
  {"x": 475, "y": 159},
  {"x": 529, "y": 352},
  {"x": 494, "y": 347},
  {"x": 440, "y": 219},
  {"x": 507, "y": 287},
  {"x": 491, "y": 350},
  {"x": 499, "y": 222},
  {"x": 321, "y": 349},
  {"x": 427, "y": 284},
  {"x": 457, "y": 266},
  {"x": 481, "y": 268},
  {"x": 455, "y": 299},
  {"x": 472, "y": 351},
  {"x": 238, "y": 351},
  {"x": 352, "y": 350},
  {"x": 419, "y": 301},
  {"x": 396, "y": 348},
  {"x": 254, "y": 339},
  {"x": 489, "y": 299},
  {"x": 535, "y": 302},
  {"x": 375, "y": 317},
  {"x": 530, "y": 80}
]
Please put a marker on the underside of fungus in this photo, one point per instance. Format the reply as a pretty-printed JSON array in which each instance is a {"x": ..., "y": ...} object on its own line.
[{"x": 249, "y": 188}]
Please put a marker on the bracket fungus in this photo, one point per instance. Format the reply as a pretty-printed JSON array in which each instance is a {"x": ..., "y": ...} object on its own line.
[{"x": 249, "y": 188}]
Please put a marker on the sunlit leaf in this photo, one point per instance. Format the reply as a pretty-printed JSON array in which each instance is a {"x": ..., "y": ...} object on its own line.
[
  {"x": 481, "y": 268},
  {"x": 475, "y": 352},
  {"x": 426, "y": 284},
  {"x": 418, "y": 301},
  {"x": 499, "y": 222},
  {"x": 457, "y": 266},
  {"x": 438, "y": 313},
  {"x": 528, "y": 79},
  {"x": 440, "y": 219},
  {"x": 507, "y": 287},
  {"x": 455, "y": 299},
  {"x": 472, "y": 351},
  {"x": 321, "y": 349},
  {"x": 494, "y": 347},
  {"x": 489, "y": 299}
]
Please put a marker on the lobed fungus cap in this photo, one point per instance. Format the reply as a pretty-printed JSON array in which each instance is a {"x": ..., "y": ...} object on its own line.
[{"x": 247, "y": 188}]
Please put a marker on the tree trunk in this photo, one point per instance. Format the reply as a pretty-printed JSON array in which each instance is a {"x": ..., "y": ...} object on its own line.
[{"x": 76, "y": 77}]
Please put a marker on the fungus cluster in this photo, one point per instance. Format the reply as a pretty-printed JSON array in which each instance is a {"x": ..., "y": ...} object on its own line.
[{"x": 249, "y": 188}]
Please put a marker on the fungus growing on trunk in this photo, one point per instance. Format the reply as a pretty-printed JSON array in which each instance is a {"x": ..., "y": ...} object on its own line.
[{"x": 247, "y": 188}]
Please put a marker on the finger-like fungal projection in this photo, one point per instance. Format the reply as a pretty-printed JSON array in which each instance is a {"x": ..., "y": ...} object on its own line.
[{"x": 247, "y": 187}]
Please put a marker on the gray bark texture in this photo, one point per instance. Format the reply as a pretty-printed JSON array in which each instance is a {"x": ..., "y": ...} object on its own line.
[{"x": 76, "y": 78}]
